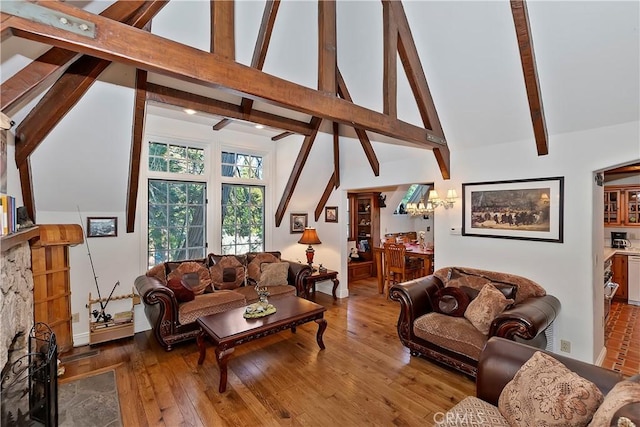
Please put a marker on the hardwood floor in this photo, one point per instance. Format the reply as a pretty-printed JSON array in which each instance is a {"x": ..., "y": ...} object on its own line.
[{"x": 364, "y": 377}]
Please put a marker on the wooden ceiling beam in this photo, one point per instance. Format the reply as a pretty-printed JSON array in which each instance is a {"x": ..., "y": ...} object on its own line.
[
  {"x": 26, "y": 185},
  {"x": 530, "y": 71},
  {"x": 390, "y": 61},
  {"x": 262, "y": 43},
  {"x": 301, "y": 160},
  {"x": 325, "y": 196},
  {"x": 136, "y": 147},
  {"x": 22, "y": 86},
  {"x": 167, "y": 57},
  {"x": 221, "y": 124},
  {"x": 282, "y": 135},
  {"x": 327, "y": 50},
  {"x": 166, "y": 95},
  {"x": 362, "y": 135},
  {"x": 66, "y": 92},
  {"x": 336, "y": 154},
  {"x": 222, "y": 28},
  {"x": 418, "y": 83}
]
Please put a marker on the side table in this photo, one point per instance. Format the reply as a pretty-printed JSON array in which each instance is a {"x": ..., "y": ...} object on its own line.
[{"x": 311, "y": 280}]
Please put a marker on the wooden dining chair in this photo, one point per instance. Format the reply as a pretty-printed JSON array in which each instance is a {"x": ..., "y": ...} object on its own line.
[{"x": 397, "y": 270}]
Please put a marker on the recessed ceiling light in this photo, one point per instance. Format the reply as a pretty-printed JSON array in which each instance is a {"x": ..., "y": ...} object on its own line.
[
  {"x": 189, "y": 111},
  {"x": 259, "y": 127}
]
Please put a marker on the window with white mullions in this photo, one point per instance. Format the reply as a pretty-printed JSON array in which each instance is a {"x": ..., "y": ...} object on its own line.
[
  {"x": 177, "y": 215},
  {"x": 242, "y": 203}
]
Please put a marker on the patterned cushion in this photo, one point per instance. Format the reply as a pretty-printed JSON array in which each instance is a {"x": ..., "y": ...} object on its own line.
[
  {"x": 453, "y": 333},
  {"x": 181, "y": 290},
  {"x": 206, "y": 304},
  {"x": 624, "y": 393},
  {"x": 274, "y": 273},
  {"x": 192, "y": 267},
  {"x": 227, "y": 273},
  {"x": 545, "y": 393},
  {"x": 485, "y": 307},
  {"x": 473, "y": 278},
  {"x": 451, "y": 301},
  {"x": 158, "y": 272},
  {"x": 254, "y": 268},
  {"x": 472, "y": 412}
]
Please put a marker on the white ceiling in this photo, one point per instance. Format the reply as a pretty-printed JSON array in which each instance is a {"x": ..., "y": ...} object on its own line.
[{"x": 587, "y": 52}]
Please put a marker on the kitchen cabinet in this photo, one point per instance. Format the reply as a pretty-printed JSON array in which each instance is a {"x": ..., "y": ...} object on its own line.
[
  {"x": 622, "y": 206},
  {"x": 620, "y": 266}
]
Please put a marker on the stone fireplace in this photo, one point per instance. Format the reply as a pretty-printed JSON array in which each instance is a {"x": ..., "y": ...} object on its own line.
[{"x": 16, "y": 316}]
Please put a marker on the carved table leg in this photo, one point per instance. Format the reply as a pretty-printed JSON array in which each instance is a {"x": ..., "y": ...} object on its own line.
[
  {"x": 223, "y": 358},
  {"x": 202, "y": 346},
  {"x": 322, "y": 325},
  {"x": 336, "y": 282}
]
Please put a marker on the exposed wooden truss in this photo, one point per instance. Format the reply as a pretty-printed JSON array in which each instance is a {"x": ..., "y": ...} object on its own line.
[
  {"x": 139, "y": 108},
  {"x": 149, "y": 53},
  {"x": 531, "y": 81}
]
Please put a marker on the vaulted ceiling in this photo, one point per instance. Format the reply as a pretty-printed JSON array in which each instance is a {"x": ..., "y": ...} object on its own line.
[{"x": 397, "y": 62}]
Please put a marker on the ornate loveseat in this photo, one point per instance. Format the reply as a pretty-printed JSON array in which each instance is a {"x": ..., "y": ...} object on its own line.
[
  {"x": 175, "y": 294},
  {"x": 448, "y": 316}
]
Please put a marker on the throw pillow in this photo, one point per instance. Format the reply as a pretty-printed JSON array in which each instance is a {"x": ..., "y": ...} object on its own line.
[
  {"x": 254, "y": 269},
  {"x": 545, "y": 393},
  {"x": 624, "y": 393},
  {"x": 192, "y": 267},
  {"x": 274, "y": 273},
  {"x": 451, "y": 301},
  {"x": 485, "y": 307},
  {"x": 227, "y": 273},
  {"x": 181, "y": 290},
  {"x": 158, "y": 272}
]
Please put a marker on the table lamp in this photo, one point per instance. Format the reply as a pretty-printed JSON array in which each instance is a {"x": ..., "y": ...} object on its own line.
[{"x": 310, "y": 237}]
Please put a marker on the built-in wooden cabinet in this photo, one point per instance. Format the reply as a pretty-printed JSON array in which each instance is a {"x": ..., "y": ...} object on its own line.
[
  {"x": 622, "y": 206},
  {"x": 619, "y": 267},
  {"x": 364, "y": 230}
]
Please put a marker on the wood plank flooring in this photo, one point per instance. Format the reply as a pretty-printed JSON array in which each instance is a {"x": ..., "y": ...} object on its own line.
[{"x": 364, "y": 377}]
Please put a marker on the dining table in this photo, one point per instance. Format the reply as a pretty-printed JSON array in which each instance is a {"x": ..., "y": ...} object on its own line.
[{"x": 413, "y": 250}]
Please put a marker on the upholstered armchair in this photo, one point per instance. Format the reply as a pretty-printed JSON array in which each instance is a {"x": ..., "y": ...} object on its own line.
[{"x": 449, "y": 316}]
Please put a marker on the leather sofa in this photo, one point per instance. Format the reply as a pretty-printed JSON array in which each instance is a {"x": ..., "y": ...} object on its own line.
[
  {"x": 174, "y": 321},
  {"x": 501, "y": 359},
  {"x": 454, "y": 341}
]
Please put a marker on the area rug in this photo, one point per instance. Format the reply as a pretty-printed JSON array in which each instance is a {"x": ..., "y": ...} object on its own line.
[{"x": 90, "y": 402}]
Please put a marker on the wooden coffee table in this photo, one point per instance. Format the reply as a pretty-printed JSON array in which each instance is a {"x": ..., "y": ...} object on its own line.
[{"x": 230, "y": 329}]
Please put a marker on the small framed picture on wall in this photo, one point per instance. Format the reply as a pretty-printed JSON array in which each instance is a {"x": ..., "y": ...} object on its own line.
[
  {"x": 298, "y": 222},
  {"x": 102, "y": 226},
  {"x": 331, "y": 214}
]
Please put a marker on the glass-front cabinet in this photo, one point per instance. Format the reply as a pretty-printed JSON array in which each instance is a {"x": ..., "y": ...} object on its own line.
[
  {"x": 612, "y": 207},
  {"x": 622, "y": 206}
]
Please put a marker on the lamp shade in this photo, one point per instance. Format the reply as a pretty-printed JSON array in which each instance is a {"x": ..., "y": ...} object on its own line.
[{"x": 309, "y": 237}]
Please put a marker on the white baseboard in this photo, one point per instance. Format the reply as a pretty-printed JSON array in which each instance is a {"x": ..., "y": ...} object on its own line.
[
  {"x": 603, "y": 354},
  {"x": 81, "y": 339}
]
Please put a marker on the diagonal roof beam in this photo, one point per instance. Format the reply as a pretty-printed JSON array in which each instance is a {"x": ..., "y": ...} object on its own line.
[
  {"x": 418, "y": 82},
  {"x": 362, "y": 135},
  {"x": 67, "y": 91},
  {"x": 282, "y": 135},
  {"x": 167, "y": 57},
  {"x": 166, "y": 95},
  {"x": 530, "y": 71},
  {"x": 325, "y": 196},
  {"x": 26, "y": 184},
  {"x": 262, "y": 43},
  {"x": 297, "y": 170},
  {"x": 22, "y": 86},
  {"x": 139, "y": 108}
]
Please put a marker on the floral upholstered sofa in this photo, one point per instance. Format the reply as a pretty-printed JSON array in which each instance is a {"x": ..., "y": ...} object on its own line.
[
  {"x": 175, "y": 294},
  {"x": 449, "y": 316}
]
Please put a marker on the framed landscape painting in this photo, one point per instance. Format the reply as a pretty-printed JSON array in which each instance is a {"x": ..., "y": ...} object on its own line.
[
  {"x": 102, "y": 226},
  {"x": 526, "y": 209}
]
